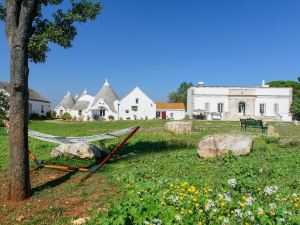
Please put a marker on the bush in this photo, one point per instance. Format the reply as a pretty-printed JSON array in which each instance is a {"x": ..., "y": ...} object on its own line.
[
  {"x": 53, "y": 114},
  {"x": 1, "y": 118},
  {"x": 110, "y": 117},
  {"x": 66, "y": 116},
  {"x": 34, "y": 116}
]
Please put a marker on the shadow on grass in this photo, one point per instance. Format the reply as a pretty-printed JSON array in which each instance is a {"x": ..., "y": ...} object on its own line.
[
  {"x": 146, "y": 147},
  {"x": 126, "y": 152},
  {"x": 54, "y": 183}
]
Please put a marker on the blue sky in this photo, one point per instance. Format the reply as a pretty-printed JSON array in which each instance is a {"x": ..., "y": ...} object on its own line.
[{"x": 158, "y": 44}]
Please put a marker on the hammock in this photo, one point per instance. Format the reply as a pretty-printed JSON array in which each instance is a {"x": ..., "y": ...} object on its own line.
[{"x": 70, "y": 140}]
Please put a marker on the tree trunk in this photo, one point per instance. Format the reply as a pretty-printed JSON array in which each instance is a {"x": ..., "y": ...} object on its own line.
[{"x": 18, "y": 178}]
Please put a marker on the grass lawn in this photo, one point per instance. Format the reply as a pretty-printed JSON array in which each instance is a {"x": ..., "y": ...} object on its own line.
[{"x": 159, "y": 177}]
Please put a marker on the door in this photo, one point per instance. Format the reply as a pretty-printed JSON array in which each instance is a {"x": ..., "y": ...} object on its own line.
[{"x": 164, "y": 115}]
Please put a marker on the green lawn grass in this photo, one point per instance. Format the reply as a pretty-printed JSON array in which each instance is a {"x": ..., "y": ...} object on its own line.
[{"x": 152, "y": 160}]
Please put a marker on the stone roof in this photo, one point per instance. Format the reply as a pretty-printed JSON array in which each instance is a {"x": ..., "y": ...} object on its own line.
[
  {"x": 170, "y": 106},
  {"x": 33, "y": 95},
  {"x": 108, "y": 95},
  {"x": 67, "y": 102},
  {"x": 83, "y": 102}
]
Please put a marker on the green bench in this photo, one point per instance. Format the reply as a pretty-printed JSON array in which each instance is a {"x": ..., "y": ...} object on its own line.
[{"x": 252, "y": 123}]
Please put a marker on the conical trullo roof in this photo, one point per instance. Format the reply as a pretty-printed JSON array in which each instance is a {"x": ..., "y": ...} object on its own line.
[
  {"x": 83, "y": 101},
  {"x": 108, "y": 95},
  {"x": 68, "y": 102}
]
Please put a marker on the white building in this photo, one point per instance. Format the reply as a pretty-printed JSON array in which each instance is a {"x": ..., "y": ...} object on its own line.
[
  {"x": 137, "y": 105},
  {"x": 170, "y": 111},
  {"x": 106, "y": 105},
  {"x": 37, "y": 103},
  {"x": 233, "y": 103}
]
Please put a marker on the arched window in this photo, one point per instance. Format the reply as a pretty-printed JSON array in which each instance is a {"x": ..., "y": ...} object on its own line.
[{"x": 242, "y": 108}]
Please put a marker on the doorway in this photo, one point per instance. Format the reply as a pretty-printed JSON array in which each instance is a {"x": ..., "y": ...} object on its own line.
[{"x": 242, "y": 108}]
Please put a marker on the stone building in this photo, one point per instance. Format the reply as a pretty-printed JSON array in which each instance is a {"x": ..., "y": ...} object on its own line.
[{"x": 233, "y": 103}]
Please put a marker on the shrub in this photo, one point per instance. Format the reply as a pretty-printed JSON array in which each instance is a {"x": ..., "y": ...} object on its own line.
[
  {"x": 66, "y": 116},
  {"x": 34, "y": 116},
  {"x": 53, "y": 114},
  {"x": 110, "y": 117},
  {"x": 1, "y": 118}
]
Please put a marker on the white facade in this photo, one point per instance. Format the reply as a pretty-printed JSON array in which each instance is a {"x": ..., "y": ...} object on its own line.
[
  {"x": 171, "y": 114},
  {"x": 137, "y": 105},
  {"x": 38, "y": 107},
  {"x": 233, "y": 103},
  {"x": 106, "y": 105},
  {"x": 37, "y": 104}
]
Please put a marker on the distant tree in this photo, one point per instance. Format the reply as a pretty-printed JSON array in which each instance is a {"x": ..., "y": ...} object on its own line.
[
  {"x": 28, "y": 32},
  {"x": 295, "y": 107},
  {"x": 4, "y": 105},
  {"x": 180, "y": 95}
]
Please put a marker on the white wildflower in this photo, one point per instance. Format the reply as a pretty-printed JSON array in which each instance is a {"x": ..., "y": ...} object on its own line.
[
  {"x": 272, "y": 206},
  {"x": 281, "y": 219},
  {"x": 228, "y": 197},
  {"x": 249, "y": 200},
  {"x": 294, "y": 195},
  {"x": 232, "y": 182},
  {"x": 146, "y": 222},
  {"x": 239, "y": 213},
  {"x": 270, "y": 190},
  {"x": 261, "y": 170},
  {"x": 225, "y": 221},
  {"x": 178, "y": 218}
]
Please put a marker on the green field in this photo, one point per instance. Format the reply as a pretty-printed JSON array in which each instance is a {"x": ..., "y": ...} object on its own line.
[{"x": 158, "y": 178}]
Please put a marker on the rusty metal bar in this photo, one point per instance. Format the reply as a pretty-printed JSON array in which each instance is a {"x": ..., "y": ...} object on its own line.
[
  {"x": 65, "y": 168},
  {"x": 108, "y": 157}
]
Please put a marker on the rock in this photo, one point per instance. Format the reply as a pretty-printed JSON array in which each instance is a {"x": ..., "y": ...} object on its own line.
[
  {"x": 271, "y": 132},
  {"x": 179, "y": 127},
  {"x": 82, "y": 150},
  {"x": 81, "y": 221},
  {"x": 220, "y": 144},
  {"x": 20, "y": 218}
]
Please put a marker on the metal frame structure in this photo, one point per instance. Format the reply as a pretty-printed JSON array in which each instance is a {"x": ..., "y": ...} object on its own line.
[{"x": 89, "y": 172}]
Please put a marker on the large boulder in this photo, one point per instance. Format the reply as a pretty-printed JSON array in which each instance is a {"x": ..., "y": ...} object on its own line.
[
  {"x": 220, "y": 144},
  {"x": 82, "y": 150},
  {"x": 179, "y": 127}
]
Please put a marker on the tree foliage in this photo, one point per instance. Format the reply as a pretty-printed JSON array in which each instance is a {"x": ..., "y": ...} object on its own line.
[
  {"x": 180, "y": 95},
  {"x": 4, "y": 105},
  {"x": 59, "y": 28},
  {"x": 4, "y": 102},
  {"x": 295, "y": 107}
]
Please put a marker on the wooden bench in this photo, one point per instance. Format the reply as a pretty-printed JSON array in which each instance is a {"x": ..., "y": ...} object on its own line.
[{"x": 252, "y": 123}]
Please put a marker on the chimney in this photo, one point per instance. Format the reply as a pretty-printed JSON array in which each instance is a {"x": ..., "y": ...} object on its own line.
[{"x": 200, "y": 84}]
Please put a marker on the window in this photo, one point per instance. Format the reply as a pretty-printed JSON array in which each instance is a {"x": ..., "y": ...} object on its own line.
[
  {"x": 220, "y": 107},
  {"x": 126, "y": 111},
  {"x": 172, "y": 115},
  {"x": 102, "y": 112},
  {"x": 80, "y": 112},
  {"x": 242, "y": 107},
  {"x": 134, "y": 108},
  {"x": 262, "y": 109},
  {"x": 42, "y": 108},
  {"x": 207, "y": 106},
  {"x": 137, "y": 100},
  {"x": 30, "y": 108},
  {"x": 276, "y": 108},
  {"x": 158, "y": 114}
]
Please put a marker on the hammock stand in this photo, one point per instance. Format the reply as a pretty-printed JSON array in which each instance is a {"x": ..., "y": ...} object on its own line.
[{"x": 90, "y": 171}]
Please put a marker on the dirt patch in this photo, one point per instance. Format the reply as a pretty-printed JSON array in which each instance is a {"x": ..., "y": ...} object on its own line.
[{"x": 56, "y": 195}]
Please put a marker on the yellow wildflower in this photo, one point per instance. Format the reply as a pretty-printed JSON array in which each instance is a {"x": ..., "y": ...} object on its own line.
[
  {"x": 197, "y": 204},
  {"x": 200, "y": 223},
  {"x": 200, "y": 211},
  {"x": 242, "y": 204},
  {"x": 190, "y": 211}
]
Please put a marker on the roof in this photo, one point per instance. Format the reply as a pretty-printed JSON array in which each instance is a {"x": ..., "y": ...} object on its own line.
[
  {"x": 33, "y": 95},
  {"x": 67, "y": 102},
  {"x": 83, "y": 102},
  {"x": 108, "y": 95},
  {"x": 140, "y": 90},
  {"x": 175, "y": 106}
]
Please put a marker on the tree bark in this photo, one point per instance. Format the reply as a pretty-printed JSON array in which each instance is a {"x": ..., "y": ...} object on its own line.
[{"x": 19, "y": 187}]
